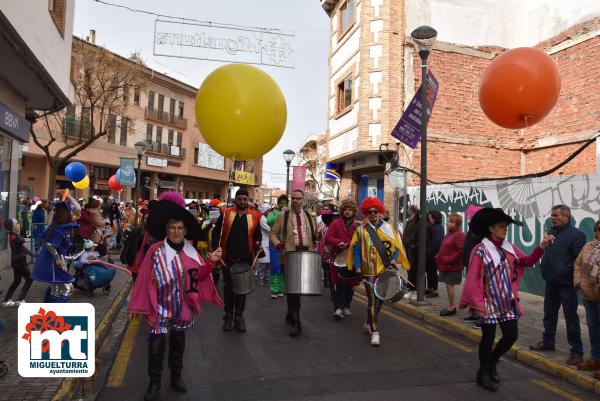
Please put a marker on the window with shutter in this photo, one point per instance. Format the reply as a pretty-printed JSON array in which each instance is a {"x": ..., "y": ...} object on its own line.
[
  {"x": 149, "y": 129},
  {"x": 124, "y": 123}
]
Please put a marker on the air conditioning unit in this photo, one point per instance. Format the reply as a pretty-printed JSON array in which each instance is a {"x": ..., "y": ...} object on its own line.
[{"x": 175, "y": 150}]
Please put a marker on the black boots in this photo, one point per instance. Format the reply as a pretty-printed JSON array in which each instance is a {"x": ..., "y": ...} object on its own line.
[
  {"x": 484, "y": 379},
  {"x": 228, "y": 321},
  {"x": 296, "y": 329},
  {"x": 156, "y": 353},
  {"x": 176, "y": 350},
  {"x": 494, "y": 371},
  {"x": 239, "y": 323}
]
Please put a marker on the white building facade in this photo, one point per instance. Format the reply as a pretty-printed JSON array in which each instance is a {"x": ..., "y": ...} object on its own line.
[{"x": 35, "y": 43}]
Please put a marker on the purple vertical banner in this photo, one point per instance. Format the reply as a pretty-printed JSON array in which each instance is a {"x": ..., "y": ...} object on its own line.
[{"x": 408, "y": 129}]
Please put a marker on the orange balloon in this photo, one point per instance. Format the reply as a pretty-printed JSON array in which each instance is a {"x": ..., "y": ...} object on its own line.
[{"x": 519, "y": 88}]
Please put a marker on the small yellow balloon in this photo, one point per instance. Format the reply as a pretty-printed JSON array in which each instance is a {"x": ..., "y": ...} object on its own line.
[
  {"x": 83, "y": 184},
  {"x": 240, "y": 111}
]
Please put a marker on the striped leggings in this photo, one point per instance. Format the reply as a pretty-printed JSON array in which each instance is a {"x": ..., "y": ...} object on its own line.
[{"x": 374, "y": 303}]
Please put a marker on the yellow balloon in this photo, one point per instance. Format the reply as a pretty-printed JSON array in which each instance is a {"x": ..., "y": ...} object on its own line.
[
  {"x": 240, "y": 111},
  {"x": 83, "y": 184}
]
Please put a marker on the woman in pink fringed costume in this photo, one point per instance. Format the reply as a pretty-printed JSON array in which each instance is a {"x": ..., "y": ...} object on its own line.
[{"x": 172, "y": 281}]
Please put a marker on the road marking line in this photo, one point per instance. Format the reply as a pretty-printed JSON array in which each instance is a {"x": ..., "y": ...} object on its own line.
[
  {"x": 117, "y": 372},
  {"x": 419, "y": 327},
  {"x": 556, "y": 390}
]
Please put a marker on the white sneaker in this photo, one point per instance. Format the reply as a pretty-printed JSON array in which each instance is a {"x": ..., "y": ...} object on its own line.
[
  {"x": 273, "y": 296},
  {"x": 413, "y": 296},
  {"x": 338, "y": 314},
  {"x": 375, "y": 338},
  {"x": 280, "y": 295},
  {"x": 407, "y": 295},
  {"x": 367, "y": 328},
  {"x": 347, "y": 312},
  {"x": 10, "y": 302},
  {"x": 17, "y": 303}
]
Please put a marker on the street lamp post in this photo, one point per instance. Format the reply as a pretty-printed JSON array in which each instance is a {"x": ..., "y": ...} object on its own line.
[
  {"x": 140, "y": 147},
  {"x": 397, "y": 180},
  {"x": 424, "y": 37},
  {"x": 288, "y": 156}
]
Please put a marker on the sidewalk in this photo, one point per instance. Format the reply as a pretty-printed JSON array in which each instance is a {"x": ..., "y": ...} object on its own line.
[
  {"x": 16, "y": 388},
  {"x": 530, "y": 332}
]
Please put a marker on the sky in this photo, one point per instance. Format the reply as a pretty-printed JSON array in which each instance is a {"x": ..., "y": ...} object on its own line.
[{"x": 304, "y": 86}]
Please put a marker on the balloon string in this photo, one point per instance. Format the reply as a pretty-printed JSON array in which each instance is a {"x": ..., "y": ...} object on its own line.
[{"x": 229, "y": 186}]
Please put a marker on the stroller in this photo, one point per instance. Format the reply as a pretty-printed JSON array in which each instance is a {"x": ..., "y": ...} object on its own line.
[{"x": 89, "y": 275}]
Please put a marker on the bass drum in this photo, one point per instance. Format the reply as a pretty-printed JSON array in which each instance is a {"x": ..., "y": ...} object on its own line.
[
  {"x": 302, "y": 272},
  {"x": 391, "y": 286}
]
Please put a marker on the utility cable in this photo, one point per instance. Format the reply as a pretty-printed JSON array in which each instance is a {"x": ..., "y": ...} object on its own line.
[
  {"x": 158, "y": 15},
  {"x": 515, "y": 177}
]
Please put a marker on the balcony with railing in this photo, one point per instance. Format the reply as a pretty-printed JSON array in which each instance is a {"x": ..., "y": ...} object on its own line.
[
  {"x": 166, "y": 118},
  {"x": 164, "y": 149}
]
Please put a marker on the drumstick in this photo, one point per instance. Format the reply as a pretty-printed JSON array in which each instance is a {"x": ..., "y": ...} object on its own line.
[{"x": 255, "y": 259}]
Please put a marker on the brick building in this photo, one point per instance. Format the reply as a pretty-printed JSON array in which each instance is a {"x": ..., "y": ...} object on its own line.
[
  {"x": 374, "y": 71},
  {"x": 162, "y": 115}
]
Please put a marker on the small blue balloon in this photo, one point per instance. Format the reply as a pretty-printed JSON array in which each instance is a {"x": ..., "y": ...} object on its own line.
[{"x": 75, "y": 171}]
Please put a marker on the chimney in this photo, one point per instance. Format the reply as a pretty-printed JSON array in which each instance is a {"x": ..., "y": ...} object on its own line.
[{"x": 92, "y": 37}]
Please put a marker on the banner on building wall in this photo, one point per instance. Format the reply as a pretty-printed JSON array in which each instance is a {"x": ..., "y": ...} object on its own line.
[
  {"x": 408, "y": 129},
  {"x": 228, "y": 43},
  {"x": 243, "y": 177},
  {"x": 299, "y": 178},
  {"x": 127, "y": 175},
  {"x": 209, "y": 158},
  {"x": 527, "y": 200}
]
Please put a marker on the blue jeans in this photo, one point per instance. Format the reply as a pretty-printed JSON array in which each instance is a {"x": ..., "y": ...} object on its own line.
[
  {"x": 592, "y": 316},
  {"x": 264, "y": 272},
  {"x": 555, "y": 296}
]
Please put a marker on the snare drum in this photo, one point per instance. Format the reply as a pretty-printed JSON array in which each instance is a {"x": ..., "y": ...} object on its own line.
[
  {"x": 302, "y": 273},
  {"x": 242, "y": 278},
  {"x": 341, "y": 265},
  {"x": 391, "y": 286}
]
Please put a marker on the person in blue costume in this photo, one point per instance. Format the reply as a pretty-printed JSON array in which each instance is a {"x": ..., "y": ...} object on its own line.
[{"x": 50, "y": 266}]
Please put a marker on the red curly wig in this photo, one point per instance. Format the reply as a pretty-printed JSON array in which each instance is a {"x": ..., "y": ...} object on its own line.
[{"x": 371, "y": 203}]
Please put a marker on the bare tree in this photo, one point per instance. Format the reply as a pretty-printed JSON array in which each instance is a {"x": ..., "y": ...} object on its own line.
[
  {"x": 315, "y": 168},
  {"x": 102, "y": 82}
]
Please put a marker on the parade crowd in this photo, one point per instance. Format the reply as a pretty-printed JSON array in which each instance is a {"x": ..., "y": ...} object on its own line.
[{"x": 178, "y": 253}]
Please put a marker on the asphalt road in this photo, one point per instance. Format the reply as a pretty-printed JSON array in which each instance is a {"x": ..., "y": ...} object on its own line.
[{"x": 331, "y": 361}]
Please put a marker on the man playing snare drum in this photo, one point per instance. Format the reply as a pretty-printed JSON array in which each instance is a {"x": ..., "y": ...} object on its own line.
[
  {"x": 375, "y": 247},
  {"x": 294, "y": 230}
]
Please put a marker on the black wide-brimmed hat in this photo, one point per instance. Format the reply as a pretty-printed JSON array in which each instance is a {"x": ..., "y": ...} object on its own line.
[
  {"x": 165, "y": 210},
  {"x": 487, "y": 217},
  {"x": 329, "y": 217}
]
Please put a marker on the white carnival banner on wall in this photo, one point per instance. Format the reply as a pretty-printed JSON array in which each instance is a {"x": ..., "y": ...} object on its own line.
[{"x": 529, "y": 200}]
